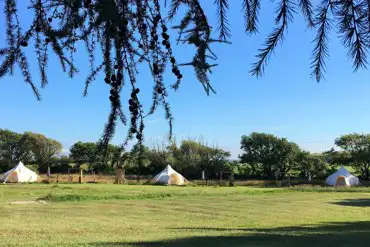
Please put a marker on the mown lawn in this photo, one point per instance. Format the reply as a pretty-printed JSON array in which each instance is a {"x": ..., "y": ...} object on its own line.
[{"x": 154, "y": 216}]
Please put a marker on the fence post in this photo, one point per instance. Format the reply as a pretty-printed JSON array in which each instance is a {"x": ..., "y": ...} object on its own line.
[
  {"x": 118, "y": 176},
  {"x": 80, "y": 178}
]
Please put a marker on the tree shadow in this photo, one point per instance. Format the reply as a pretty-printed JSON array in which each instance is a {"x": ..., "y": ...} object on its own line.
[
  {"x": 362, "y": 202},
  {"x": 345, "y": 234}
]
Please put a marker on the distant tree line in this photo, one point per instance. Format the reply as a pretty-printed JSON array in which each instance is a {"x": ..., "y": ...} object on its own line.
[
  {"x": 266, "y": 154},
  {"x": 27, "y": 147},
  {"x": 262, "y": 156},
  {"x": 190, "y": 157}
]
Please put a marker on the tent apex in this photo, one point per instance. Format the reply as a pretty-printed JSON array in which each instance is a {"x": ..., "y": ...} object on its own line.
[{"x": 169, "y": 176}]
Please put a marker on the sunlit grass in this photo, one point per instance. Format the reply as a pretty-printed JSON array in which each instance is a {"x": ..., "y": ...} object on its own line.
[{"x": 121, "y": 215}]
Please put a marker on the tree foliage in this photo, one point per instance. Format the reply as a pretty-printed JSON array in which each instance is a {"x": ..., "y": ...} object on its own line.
[
  {"x": 268, "y": 154},
  {"x": 83, "y": 152},
  {"x": 42, "y": 149},
  {"x": 356, "y": 149},
  {"x": 262, "y": 155},
  {"x": 11, "y": 151},
  {"x": 130, "y": 33},
  {"x": 90, "y": 153},
  {"x": 192, "y": 157},
  {"x": 311, "y": 166}
]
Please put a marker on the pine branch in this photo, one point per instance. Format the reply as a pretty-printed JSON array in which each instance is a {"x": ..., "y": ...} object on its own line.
[
  {"x": 174, "y": 6},
  {"x": 251, "y": 9},
  {"x": 10, "y": 6},
  {"x": 107, "y": 46},
  {"x": 320, "y": 51},
  {"x": 90, "y": 45},
  {"x": 352, "y": 23},
  {"x": 92, "y": 77},
  {"x": 368, "y": 14},
  {"x": 110, "y": 126},
  {"x": 4, "y": 51},
  {"x": 307, "y": 11},
  {"x": 41, "y": 52},
  {"x": 122, "y": 116},
  {"x": 138, "y": 31},
  {"x": 8, "y": 63},
  {"x": 223, "y": 23},
  {"x": 284, "y": 15},
  {"x": 23, "y": 64},
  {"x": 10, "y": 10}
]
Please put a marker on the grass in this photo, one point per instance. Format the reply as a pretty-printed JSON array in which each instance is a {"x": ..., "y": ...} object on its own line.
[{"x": 154, "y": 216}]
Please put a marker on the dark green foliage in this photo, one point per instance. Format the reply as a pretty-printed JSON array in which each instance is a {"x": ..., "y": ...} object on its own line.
[
  {"x": 97, "y": 158},
  {"x": 61, "y": 164},
  {"x": 311, "y": 166},
  {"x": 83, "y": 152},
  {"x": 356, "y": 153},
  {"x": 191, "y": 157},
  {"x": 42, "y": 149},
  {"x": 27, "y": 147},
  {"x": 11, "y": 151},
  {"x": 267, "y": 154}
]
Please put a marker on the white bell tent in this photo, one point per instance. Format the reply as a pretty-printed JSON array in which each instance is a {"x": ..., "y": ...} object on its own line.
[
  {"x": 169, "y": 177},
  {"x": 19, "y": 174},
  {"x": 342, "y": 177}
]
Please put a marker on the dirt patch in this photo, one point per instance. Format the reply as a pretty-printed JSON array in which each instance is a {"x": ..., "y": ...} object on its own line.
[{"x": 27, "y": 202}]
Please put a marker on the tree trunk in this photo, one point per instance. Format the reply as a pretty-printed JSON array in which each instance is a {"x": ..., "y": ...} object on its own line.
[
  {"x": 367, "y": 172},
  {"x": 138, "y": 170},
  {"x": 309, "y": 177},
  {"x": 41, "y": 166},
  {"x": 120, "y": 177},
  {"x": 48, "y": 171},
  {"x": 268, "y": 171}
]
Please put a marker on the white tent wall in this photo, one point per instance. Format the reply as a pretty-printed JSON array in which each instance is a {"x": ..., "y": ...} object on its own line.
[
  {"x": 19, "y": 174},
  {"x": 169, "y": 176},
  {"x": 352, "y": 180}
]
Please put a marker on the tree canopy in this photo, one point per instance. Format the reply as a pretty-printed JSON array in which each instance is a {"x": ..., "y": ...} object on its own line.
[
  {"x": 83, "y": 152},
  {"x": 191, "y": 157},
  {"x": 11, "y": 151},
  {"x": 356, "y": 149},
  {"x": 268, "y": 154},
  {"x": 262, "y": 155},
  {"x": 127, "y": 34},
  {"x": 99, "y": 159},
  {"x": 43, "y": 149},
  {"x": 311, "y": 166}
]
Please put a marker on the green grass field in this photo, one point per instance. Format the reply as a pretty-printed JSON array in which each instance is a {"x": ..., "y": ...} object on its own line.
[{"x": 155, "y": 216}]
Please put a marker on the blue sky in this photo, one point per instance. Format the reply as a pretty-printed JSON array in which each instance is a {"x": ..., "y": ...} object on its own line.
[{"x": 285, "y": 101}]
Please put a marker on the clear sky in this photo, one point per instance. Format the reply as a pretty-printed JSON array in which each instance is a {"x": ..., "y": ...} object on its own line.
[{"x": 285, "y": 101}]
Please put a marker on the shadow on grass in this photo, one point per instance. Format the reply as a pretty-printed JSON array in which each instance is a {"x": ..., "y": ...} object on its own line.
[
  {"x": 363, "y": 202},
  {"x": 346, "y": 234}
]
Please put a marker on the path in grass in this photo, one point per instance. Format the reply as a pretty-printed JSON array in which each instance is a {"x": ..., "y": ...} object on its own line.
[{"x": 139, "y": 216}]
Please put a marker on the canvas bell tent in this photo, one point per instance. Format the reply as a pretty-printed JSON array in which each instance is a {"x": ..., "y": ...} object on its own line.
[
  {"x": 169, "y": 177},
  {"x": 342, "y": 177},
  {"x": 19, "y": 174}
]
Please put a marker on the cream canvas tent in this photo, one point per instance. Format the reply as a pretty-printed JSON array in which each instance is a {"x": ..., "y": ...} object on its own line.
[
  {"x": 169, "y": 177},
  {"x": 342, "y": 177},
  {"x": 19, "y": 174}
]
